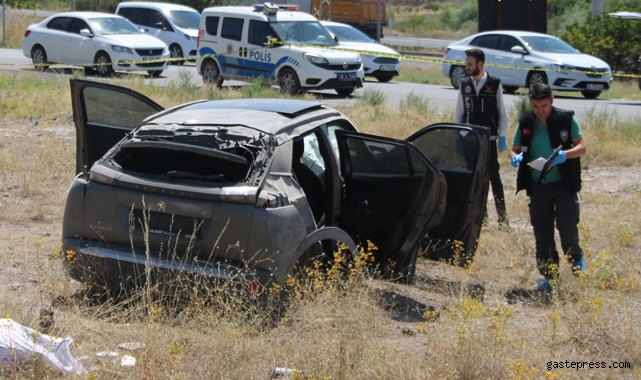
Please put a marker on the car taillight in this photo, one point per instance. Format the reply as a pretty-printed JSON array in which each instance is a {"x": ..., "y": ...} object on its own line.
[
  {"x": 200, "y": 33},
  {"x": 27, "y": 33},
  {"x": 447, "y": 50}
]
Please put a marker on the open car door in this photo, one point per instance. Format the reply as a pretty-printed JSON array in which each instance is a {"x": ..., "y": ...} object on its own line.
[
  {"x": 460, "y": 152},
  {"x": 103, "y": 115},
  {"x": 392, "y": 196}
]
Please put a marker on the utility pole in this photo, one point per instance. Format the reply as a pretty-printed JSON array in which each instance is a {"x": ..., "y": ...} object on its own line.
[
  {"x": 597, "y": 7},
  {"x": 72, "y": 6},
  {"x": 4, "y": 29},
  {"x": 378, "y": 21},
  {"x": 389, "y": 18}
]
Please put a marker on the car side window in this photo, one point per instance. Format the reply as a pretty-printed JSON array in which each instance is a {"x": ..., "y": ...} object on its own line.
[
  {"x": 488, "y": 41},
  {"x": 450, "y": 149},
  {"x": 377, "y": 157},
  {"x": 158, "y": 20},
  {"x": 100, "y": 103},
  {"x": 508, "y": 42},
  {"x": 232, "y": 28},
  {"x": 258, "y": 31},
  {"x": 211, "y": 25},
  {"x": 135, "y": 15},
  {"x": 58, "y": 23},
  {"x": 77, "y": 25}
]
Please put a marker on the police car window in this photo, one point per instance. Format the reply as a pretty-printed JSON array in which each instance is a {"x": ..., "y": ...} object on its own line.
[
  {"x": 77, "y": 25},
  {"x": 258, "y": 31},
  {"x": 232, "y": 28},
  {"x": 58, "y": 23},
  {"x": 211, "y": 25},
  {"x": 450, "y": 149},
  {"x": 303, "y": 32}
]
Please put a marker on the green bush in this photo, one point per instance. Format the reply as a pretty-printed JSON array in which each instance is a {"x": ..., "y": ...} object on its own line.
[{"x": 434, "y": 7}]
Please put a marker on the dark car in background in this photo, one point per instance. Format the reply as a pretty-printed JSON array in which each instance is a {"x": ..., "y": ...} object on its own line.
[{"x": 251, "y": 187}]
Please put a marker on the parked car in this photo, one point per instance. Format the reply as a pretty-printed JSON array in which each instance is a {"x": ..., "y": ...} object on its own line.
[
  {"x": 252, "y": 187},
  {"x": 525, "y": 58},
  {"x": 174, "y": 24},
  {"x": 383, "y": 67},
  {"x": 100, "y": 41},
  {"x": 233, "y": 44}
]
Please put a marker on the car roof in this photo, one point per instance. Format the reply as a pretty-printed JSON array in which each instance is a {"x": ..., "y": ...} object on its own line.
[
  {"x": 271, "y": 116},
  {"x": 281, "y": 15},
  {"x": 144, "y": 4},
  {"x": 85, "y": 14},
  {"x": 334, "y": 23},
  {"x": 518, "y": 33}
]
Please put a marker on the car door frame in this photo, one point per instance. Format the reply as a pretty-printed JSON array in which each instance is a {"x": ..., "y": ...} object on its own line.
[
  {"x": 231, "y": 62},
  {"x": 116, "y": 133},
  {"x": 427, "y": 206},
  {"x": 471, "y": 215}
]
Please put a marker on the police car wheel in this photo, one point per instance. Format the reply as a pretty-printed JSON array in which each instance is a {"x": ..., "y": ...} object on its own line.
[
  {"x": 288, "y": 82},
  {"x": 457, "y": 73},
  {"x": 211, "y": 74},
  {"x": 344, "y": 91}
]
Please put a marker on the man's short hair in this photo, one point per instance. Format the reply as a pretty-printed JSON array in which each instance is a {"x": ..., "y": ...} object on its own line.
[
  {"x": 540, "y": 91},
  {"x": 478, "y": 54}
]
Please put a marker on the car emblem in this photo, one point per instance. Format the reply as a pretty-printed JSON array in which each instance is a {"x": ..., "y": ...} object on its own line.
[{"x": 345, "y": 65}]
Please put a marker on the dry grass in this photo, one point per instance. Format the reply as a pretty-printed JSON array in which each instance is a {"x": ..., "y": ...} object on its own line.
[
  {"x": 335, "y": 329},
  {"x": 16, "y": 24}
]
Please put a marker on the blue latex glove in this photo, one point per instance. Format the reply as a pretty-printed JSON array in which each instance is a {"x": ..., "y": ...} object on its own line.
[
  {"x": 502, "y": 143},
  {"x": 559, "y": 159},
  {"x": 516, "y": 160}
]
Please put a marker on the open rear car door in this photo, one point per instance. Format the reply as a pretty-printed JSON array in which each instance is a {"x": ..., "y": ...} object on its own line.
[
  {"x": 103, "y": 115},
  {"x": 392, "y": 196},
  {"x": 460, "y": 152}
]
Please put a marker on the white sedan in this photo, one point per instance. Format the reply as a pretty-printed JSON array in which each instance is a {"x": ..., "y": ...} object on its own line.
[
  {"x": 379, "y": 61},
  {"x": 524, "y": 58},
  {"x": 103, "y": 41}
]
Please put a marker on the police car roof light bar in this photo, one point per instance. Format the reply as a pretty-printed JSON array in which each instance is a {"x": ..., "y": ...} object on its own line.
[{"x": 272, "y": 9}]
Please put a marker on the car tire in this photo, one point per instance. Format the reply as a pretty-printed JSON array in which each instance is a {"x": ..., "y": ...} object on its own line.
[
  {"x": 384, "y": 78},
  {"x": 154, "y": 73},
  {"x": 510, "y": 89},
  {"x": 588, "y": 94},
  {"x": 88, "y": 70},
  {"x": 176, "y": 52},
  {"x": 344, "y": 91},
  {"x": 103, "y": 64},
  {"x": 457, "y": 73},
  {"x": 39, "y": 58},
  {"x": 211, "y": 73},
  {"x": 288, "y": 82},
  {"x": 536, "y": 76}
]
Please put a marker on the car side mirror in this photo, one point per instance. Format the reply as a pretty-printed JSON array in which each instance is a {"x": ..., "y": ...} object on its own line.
[
  {"x": 144, "y": 30},
  {"x": 160, "y": 25},
  {"x": 336, "y": 39},
  {"x": 86, "y": 32},
  {"x": 518, "y": 49}
]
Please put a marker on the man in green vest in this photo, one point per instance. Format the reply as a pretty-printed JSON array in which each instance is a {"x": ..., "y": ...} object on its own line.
[{"x": 553, "y": 194}]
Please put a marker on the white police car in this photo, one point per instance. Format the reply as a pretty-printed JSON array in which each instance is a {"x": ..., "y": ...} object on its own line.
[{"x": 234, "y": 43}]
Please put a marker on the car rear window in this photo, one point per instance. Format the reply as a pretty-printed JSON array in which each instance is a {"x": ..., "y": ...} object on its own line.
[{"x": 58, "y": 23}]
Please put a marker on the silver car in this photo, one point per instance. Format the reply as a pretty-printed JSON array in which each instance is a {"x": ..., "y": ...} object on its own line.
[
  {"x": 523, "y": 58},
  {"x": 253, "y": 187}
]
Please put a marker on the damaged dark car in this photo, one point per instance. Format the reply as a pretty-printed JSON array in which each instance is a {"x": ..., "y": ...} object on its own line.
[{"x": 251, "y": 187}]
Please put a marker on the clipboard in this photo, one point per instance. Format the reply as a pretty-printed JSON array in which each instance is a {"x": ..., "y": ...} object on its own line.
[{"x": 548, "y": 164}]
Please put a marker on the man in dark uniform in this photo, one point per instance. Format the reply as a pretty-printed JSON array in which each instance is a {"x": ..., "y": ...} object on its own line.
[
  {"x": 480, "y": 102},
  {"x": 539, "y": 133}
]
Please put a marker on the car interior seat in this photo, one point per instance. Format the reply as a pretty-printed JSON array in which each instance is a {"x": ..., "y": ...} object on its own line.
[{"x": 310, "y": 183}]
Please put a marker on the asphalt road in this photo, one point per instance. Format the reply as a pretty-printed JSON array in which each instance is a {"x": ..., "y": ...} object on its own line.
[{"x": 438, "y": 96}]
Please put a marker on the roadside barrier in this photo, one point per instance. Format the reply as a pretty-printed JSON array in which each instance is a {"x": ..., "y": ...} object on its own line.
[{"x": 274, "y": 42}]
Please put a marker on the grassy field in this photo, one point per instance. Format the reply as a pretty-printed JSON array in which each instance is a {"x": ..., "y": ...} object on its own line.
[{"x": 358, "y": 327}]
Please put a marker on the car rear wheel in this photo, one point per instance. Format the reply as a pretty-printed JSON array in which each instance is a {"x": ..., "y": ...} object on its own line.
[
  {"x": 344, "y": 91},
  {"x": 457, "y": 74},
  {"x": 39, "y": 58},
  {"x": 535, "y": 77},
  {"x": 510, "y": 89},
  {"x": 211, "y": 73},
  {"x": 103, "y": 64},
  {"x": 384, "y": 78},
  {"x": 176, "y": 52},
  {"x": 590, "y": 94},
  {"x": 154, "y": 73},
  {"x": 288, "y": 82}
]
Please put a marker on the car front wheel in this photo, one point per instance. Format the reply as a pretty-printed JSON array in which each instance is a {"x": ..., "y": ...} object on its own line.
[
  {"x": 288, "y": 82},
  {"x": 344, "y": 91},
  {"x": 154, "y": 73},
  {"x": 211, "y": 74},
  {"x": 590, "y": 94},
  {"x": 457, "y": 74},
  {"x": 176, "y": 53},
  {"x": 535, "y": 77},
  {"x": 103, "y": 64},
  {"x": 39, "y": 58},
  {"x": 384, "y": 78}
]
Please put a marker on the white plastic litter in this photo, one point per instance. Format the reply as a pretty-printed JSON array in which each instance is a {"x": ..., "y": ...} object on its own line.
[
  {"x": 127, "y": 361},
  {"x": 132, "y": 346},
  {"x": 18, "y": 343},
  {"x": 109, "y": 355}
]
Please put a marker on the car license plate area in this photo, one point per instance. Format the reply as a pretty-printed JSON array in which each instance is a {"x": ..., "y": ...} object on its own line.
[
  {"x": 346, "y": 77},
  {"x": 387, "y": 68},
  {"x": 594, "y": 87},
  {"x": 149, "y": 58}
]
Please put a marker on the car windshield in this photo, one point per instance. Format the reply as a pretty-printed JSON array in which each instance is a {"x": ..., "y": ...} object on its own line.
[
  {"x": 113, "y": 25},
  {"x": 347, "y": 33},
  {"x": 185, "y": 19},
  {"x": 303, "y": 32},
  {"x": 548, "y": 45}
]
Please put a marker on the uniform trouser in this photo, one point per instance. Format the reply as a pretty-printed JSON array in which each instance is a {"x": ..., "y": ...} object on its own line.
[
  {"x": 550, "y": 202},
  {"x": 495, "y": 181}
]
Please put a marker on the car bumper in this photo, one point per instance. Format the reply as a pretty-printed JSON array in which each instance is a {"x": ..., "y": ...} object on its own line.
[
  {"x": 579, "y": 82},
  {"x": 318, "y": 78},
  {"x": 372, "y": 68},
  {"x": 117, "y": 266},
  {"x": 128, "y": 62}
]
